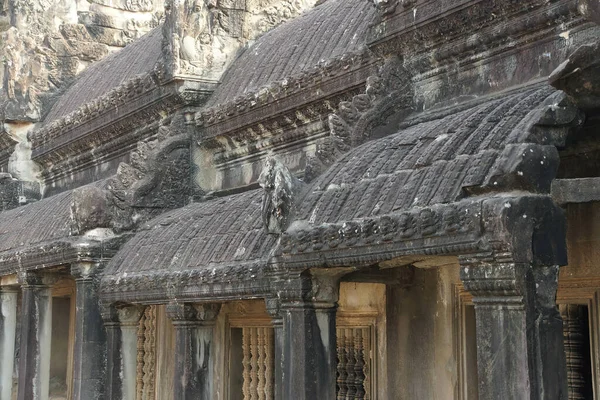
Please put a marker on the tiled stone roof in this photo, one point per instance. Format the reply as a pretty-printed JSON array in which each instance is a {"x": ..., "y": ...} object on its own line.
[
  {"x": 135, "y": 59},
  {"x": 428, "y": 163},
  {"x": 325, "y": 32},
  {"x": 424, "y": 183},
  {"x": 35, "y": 223},
  {"x": 201, "y": 236}
]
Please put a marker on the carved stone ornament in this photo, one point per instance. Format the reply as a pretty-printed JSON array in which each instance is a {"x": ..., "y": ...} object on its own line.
[
  {"x": 189, "y": 312},
  {"x": 155, "y": 179},
  {"x": 388, "y": 92},
  {"x": 437, "y": 221},
  {"x": 281, "y": 190},
  {"x": 388, "y": 7},
  {"x": 89, "y": 210}
]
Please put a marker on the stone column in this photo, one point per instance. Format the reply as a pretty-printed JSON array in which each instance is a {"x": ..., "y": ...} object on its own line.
[
  {"x": 8, "y": 327},
  {"x": 274, "y": 309},
  {"x": 121, "y": 343},
  {"x": 194, "y": 347},
  {"x": 36, "y": 335},
  {"x": 520, "y": 351},
  {"x": 309, "y": 339},
  {"x": 90, "y": 337}
]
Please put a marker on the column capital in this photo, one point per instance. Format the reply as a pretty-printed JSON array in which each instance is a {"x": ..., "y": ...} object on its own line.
[
  {"x": 508, "y": 281},
  {"x": 38, "y": 278},
  {"x": 273, "y": 305},
  {"x": 317, "y": 290},
  {"x": 85, "y": 270},
  {"x": 9, "y": 289},
  {"x": 122, "y": 314},
  {"x": 185, "y": 313}
]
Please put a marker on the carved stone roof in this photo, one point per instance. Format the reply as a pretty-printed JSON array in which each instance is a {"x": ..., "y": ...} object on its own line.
[
  {"x": 135, "y": 59},
  {"x": 192, "y": 244},
  {"x": 35, "y": 223},
  {"x": 40, "y": 233},
  {"x": 420, "y": 191},
  {"x": 425, "y": 164},
  {"x": 329, "y": 30}
]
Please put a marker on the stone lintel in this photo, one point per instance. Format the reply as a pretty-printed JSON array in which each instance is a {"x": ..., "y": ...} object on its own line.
[
  {"x": 580, "y": 190},
  {"x": 193, "y": 314},
  {"x": 38, "y": 278},
  {"x": 9, "y": 280}
]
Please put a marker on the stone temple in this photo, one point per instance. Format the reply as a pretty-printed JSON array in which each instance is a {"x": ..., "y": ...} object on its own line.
[{"x": 300, "y": 199}]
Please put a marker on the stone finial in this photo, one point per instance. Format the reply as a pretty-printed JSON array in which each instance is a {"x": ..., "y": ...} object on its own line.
[{"x": 281, "y": 190}]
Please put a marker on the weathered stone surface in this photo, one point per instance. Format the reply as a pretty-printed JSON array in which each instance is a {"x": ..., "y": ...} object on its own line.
[
  {"x": 517, "y": 322},
  {"x": 581, "y": 190},
  {"x": 194, "y": 339},
  {"x": 281, "y": 194},
  {"x": 89, "y": 354}
]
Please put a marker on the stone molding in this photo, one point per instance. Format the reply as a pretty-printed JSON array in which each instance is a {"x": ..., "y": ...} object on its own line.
[
  {"x": 65, "y": 251},
  {"x": 65, "y": 147},
  {"x": 202, "y": 313},
  {"x": 37, "y": 278},
  {"x": 431, "y": 23},
  {"x": 275, "y": 91}
]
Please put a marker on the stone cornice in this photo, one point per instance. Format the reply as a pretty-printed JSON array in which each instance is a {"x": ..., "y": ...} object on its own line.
[
  {"x": 113, "y": 117},
  {"x": 322, "y": 80},
  {"x": 279, "y": 115},
  {"x": 59, "y": 252},
  {"x": 434, "y": 24}
]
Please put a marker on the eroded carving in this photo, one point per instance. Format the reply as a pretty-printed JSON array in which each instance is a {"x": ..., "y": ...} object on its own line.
[
  {"x": 436, "y": 221},
  {"x": 386, "y": 93},
  {"x": 281, "y": 191},
  {"x": 157, "y": 177}
]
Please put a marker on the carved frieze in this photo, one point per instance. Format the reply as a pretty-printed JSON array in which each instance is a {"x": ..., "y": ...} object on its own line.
[
  {"x": 117, "y": 96},
  {"x": 277, "y": 90},
  {"x": 440, "y": 221},
  {"x": 203, "y": 36}
]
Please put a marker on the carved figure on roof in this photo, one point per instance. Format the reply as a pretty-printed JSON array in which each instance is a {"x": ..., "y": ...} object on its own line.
[{"x": 281, "y": 190}]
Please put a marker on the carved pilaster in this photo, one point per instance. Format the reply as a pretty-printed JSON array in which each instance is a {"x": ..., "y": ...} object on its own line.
[
  {"x": 121, "y": 322},
  {"x": 194, "y": 329},
  {"x": 90, "y": 335},
  {"x": 309, "y": 348},
  {"x": 8, "y": 326},
  {"x": 274, "y": 309},
  {"x": 36, "y": 331},
  {"x": 517, "y": 321}
]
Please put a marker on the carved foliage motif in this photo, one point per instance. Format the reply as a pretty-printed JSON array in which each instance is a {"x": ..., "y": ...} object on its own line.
[
  {"x": 146, "y": 355},
  {"x": 442, "y": 220},
  {"x": 386, "y": 93}
]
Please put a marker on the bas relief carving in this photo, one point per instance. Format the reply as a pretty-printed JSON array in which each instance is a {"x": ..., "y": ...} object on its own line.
[{"x": 206, "y": 34}]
